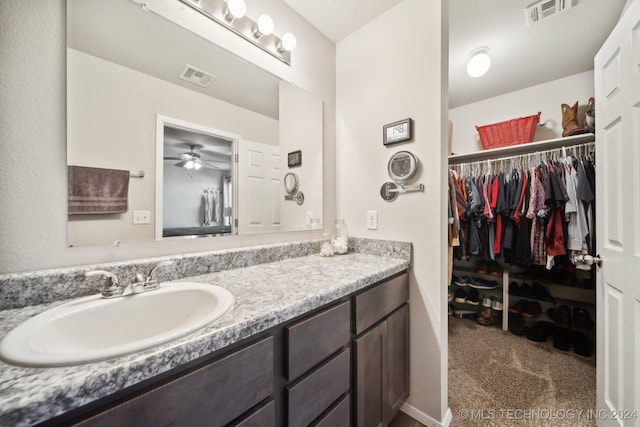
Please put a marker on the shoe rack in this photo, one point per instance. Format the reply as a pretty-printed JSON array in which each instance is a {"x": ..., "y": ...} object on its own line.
[
  {"x": 516, "y": 286},
  {"x": 494, "y": 274}
]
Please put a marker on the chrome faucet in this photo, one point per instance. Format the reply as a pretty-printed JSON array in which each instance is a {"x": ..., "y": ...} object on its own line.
[
  {"x": 152, "y": 282},
  {"x": 112, "y": 287}
]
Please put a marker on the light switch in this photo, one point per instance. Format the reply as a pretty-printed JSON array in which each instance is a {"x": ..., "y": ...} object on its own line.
[
  {"x": 372, "y": 220},
  {"x": 142, "y": 217}
]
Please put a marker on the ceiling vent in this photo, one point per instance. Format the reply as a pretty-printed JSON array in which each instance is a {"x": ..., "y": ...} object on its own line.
[
  {"x": 196, "y": 76},
  {"x": 543, "y": 9}
]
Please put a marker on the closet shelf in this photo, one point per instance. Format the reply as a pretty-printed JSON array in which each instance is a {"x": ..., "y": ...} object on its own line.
[{"x": 549, "y": 144}]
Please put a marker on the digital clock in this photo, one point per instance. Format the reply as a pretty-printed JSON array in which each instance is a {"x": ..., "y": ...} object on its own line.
[
  {"x": 294, "y": 158},
  {"x": 397, "y": 132}
]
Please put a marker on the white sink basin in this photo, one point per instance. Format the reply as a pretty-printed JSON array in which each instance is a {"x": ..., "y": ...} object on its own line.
[{"x": 93, "y": 328}]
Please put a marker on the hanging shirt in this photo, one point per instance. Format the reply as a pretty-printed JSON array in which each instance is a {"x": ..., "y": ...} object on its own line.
[{"x": 574, "y": 212}]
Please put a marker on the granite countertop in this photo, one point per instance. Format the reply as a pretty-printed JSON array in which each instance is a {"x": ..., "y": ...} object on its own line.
[{"x": 265, "y": 296}]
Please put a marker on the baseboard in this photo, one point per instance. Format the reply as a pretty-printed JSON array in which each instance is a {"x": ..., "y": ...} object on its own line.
[{"x": 425, "y": 419}]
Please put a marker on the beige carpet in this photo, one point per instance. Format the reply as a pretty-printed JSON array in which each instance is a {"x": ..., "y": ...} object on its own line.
[{"x": 500, "y": 379}]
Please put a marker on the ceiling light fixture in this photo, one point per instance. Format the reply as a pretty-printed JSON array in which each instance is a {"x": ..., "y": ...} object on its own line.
[
  {"x": 231, "y": 14},
  {"x": 479, "y": 63}
]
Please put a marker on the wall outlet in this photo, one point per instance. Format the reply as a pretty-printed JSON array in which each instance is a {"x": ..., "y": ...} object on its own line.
[
  {"x": 372, "y": 220},
  {"x": 142, "y": 217}
]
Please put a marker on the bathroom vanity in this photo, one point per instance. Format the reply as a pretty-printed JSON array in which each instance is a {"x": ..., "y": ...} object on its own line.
[{"x": 309, "y": 340}]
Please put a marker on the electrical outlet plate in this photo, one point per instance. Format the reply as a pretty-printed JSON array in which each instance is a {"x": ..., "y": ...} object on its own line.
[{"x": 372, "y": 220}]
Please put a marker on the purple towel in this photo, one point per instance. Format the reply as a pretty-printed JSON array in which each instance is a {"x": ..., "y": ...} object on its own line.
[{"x": 97, "y": 190}]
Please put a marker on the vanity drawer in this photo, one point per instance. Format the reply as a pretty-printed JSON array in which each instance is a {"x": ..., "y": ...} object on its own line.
[
  {"x": 374, "y": 304},
  {"x": 338, "y": 416},
  {"x": 213, "y": 395},
  {"x": 263, "y": 417},
  {"x": 317, "y": 337},
  {"x": 314, "y": 394}
]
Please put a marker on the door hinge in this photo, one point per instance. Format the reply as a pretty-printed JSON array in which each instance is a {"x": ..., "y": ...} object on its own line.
[
  {"x": 235, "y": 221},
  {"x": 236, "y": 158}
]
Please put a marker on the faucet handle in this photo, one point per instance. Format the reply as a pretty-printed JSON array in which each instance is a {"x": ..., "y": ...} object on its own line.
[
  {"x": 112, "y": 286},
  {"x": 152, "y": 281}
]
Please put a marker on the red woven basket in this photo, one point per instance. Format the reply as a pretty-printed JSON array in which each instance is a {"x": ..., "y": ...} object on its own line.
[{"x": 510, "y": 132}]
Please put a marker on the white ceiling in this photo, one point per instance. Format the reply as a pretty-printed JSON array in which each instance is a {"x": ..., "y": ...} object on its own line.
[
  {"x": 562, "y": 45},
  {"x": 559, "y": 46}
]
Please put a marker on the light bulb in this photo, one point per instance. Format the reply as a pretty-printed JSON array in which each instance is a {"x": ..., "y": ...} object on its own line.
[
  {"x": 479, "y": 63},
  {"x": 237, "y": 8},
  {"x": 265, "y": 25},
  {"x": 289, "y": 42},
  {"x": 189, "y": 164}
]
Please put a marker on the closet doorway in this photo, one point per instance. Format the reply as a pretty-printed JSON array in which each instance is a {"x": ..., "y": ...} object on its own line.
[{"x": 491, "y": 375}]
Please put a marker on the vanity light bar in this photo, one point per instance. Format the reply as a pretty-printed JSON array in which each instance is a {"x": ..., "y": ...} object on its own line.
[{"x": 243, "y": 26}]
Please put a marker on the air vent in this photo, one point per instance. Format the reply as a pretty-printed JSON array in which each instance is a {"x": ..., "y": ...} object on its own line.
[
  {"x": 196, "y": 76},
  {"x": 543, "y": 9}
]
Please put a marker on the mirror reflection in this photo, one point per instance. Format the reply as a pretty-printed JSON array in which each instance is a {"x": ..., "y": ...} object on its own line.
[{"x": 144, "y": 94}]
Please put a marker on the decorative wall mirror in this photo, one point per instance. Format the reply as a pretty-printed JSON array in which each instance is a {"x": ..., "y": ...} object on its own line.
[
  {"x": 119, "y": 82},
  {"x": 291, "y": 185}
]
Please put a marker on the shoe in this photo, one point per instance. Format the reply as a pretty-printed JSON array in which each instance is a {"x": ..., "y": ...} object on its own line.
[
  {"x": 461, "y": 281},
  {"x": 519, "y": 307},
  {"x": 525, "y": 291},
  {"x": 481, "y": 267},
  {"x": 483, "y": 284},
  {"x": 465, "y": 314},
  {"x": 450, "y": 297},
  {"x": 472, "y": 297},
  {"x": 561, "y": 315},
  {"x": 487, "y": 317},
  {"x": 494, "y": 269},
  {"x": 570, "y": 121},
  {"x": 497, "y": 305},
  {"x": 516, "y": 324},
  {"x": 514, "y": 289},
  {"x": 460, "y": 296},
  {"x": 539, "y": 292},
  {"x": 581, "y": 344},
  {"x": 533, "y": 309},
  {"x": 487, "y": 301},
  {"x": 562, "y": 339},
  {"x": 541, "y": 331},
  {"x": 582, "y": 319}
]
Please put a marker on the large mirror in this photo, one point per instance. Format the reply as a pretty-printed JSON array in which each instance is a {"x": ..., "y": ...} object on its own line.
[{"x": 209, "y": 132}]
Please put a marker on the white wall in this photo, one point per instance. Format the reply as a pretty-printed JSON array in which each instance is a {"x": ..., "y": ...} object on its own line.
[
  {"x": 33, "y": 212},
  {"x": 391, "y": 69},
  {"x": 545, "y": 98},
  {"x": 300, "y": 129}
]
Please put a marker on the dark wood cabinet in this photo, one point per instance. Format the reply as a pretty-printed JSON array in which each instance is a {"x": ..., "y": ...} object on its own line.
[
  {"x": 213, "y": 395},
  {"x": 381, "y": 353},
  {"x": 341, "y": 365}
]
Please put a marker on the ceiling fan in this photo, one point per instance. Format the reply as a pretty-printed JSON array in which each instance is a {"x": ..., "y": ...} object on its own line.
[{"x": 192, "y": 160}]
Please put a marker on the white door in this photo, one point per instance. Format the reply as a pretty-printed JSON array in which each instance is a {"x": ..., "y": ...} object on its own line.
[
  {"x": 617, "y": 90},
  {"x": 259, "y": 197}
]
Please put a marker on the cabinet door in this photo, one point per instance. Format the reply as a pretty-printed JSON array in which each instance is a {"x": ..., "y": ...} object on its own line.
[
  {"x": 398, "y": 354},
  {"x": 370, "y": 355},
  {"x": 213, "y": 395}
]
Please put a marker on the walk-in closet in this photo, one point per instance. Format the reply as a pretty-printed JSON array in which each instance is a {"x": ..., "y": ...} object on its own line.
[{"x": 522, "y": 277}]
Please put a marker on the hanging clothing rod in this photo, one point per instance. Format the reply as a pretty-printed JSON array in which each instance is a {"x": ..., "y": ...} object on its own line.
[
  {"x": 525, "y": 160},
  {"x": 513, "y": 150}
]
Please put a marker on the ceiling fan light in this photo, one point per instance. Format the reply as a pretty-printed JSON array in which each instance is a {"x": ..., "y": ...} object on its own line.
[{"x": 479, "y": 63}]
